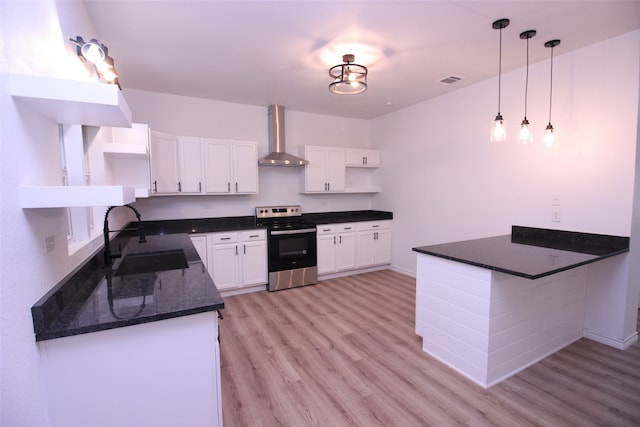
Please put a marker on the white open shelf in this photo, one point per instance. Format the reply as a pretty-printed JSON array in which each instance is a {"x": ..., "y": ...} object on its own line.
[
  {"x": 125, "y": 150},
  {"x": 72, "y": 101},
  {"x": 51, "y": 196}
]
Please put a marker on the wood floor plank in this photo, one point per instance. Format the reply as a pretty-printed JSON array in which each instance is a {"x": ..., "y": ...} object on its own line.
[{"x": 344, "y": 353}]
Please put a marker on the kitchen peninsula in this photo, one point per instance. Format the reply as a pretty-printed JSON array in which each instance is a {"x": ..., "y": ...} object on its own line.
[{"x": 491, "y": 307}]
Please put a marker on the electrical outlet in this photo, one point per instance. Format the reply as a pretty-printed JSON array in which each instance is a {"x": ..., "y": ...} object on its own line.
[
  {"x": 555, "y": 215},
  {"x": 555, "y": 200},
  {"x": 49, "y": 244}
]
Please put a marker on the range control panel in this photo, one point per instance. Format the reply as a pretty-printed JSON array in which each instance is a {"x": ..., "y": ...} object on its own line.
[{"x": 278, "y": 211}]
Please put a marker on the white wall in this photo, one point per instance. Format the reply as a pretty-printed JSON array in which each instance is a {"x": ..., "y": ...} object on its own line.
[
  {"x": 34, "y": 41},
  {"x": 463, "y": 187},
  {"x": 186, "y": 116}
]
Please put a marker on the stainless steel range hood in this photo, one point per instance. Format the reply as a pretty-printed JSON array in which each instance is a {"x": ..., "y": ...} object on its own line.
[{"x": 278, "y": 156}]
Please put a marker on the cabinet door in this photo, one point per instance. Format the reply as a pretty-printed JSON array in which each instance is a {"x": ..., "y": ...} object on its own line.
[
  {"x": 224, "y": 265},
  {"x": 316, "y": 171},
  {"x": 254, "y": 262},
  {"x": 190, "y": 156},
  {"x": 336, "y": 169},
  {"x": 382, "y": 247},
  {"x": 245, "y": 167},
  {"x": 346, "y": 251},
  {"x": 326, "y": 250},
  {"x": 164, "y": 163},
  {"x": 217, "y": 166},
  {"x": 200, "y": 243},
  {"x": 363, "y": 158},
  {"x": 366, "y": 244}
]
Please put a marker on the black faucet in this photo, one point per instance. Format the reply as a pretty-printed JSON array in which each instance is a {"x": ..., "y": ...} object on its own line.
[{"x": 108, "y": 255}]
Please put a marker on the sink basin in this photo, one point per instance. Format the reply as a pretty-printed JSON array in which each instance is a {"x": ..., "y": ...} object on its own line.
[{"x": 148, "y": 262}]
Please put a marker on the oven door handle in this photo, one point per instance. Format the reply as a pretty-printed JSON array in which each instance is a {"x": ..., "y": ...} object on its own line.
[{"x": 281, "y": 232}]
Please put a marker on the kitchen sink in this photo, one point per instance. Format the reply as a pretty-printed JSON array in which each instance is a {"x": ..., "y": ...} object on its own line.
[{"x": 148, "y": 262}]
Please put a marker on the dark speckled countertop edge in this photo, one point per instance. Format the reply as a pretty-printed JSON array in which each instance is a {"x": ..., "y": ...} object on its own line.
[{"x": 597, "y": 246}]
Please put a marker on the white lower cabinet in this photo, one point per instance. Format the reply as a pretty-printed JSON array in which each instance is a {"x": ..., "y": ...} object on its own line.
[
  {"x": 336, "y": 246},
  {"x": 164, "y": 373},
  {"x": 237, "y": 259},
  {"x": 374, "y": 243}
]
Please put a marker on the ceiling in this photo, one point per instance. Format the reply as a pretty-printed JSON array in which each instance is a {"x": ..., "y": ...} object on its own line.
[{"x": 279, "y": 52}]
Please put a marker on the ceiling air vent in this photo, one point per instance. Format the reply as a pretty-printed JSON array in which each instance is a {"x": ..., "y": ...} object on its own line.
[{"x": 450, "y": 79}]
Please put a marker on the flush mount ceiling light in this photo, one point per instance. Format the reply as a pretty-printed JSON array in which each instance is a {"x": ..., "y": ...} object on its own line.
[
  {"x": 548, "y": 135},
  {"x": 96, "y": 53},
  {"x": 499, "y": 132},
  {"x": 525, "y": 136},
  {"x": 348, "y": 78}
]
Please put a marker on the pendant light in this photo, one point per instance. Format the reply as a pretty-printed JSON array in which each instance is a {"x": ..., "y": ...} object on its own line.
[
  {"x": 525, "y": 136},
  {"x": 548, "y": 135},
  {"x": 348, "y": 78},
  {"x": 499, "y": 133}
]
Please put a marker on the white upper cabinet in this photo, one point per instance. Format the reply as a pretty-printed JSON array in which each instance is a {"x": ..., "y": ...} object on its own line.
[
  {"x": 340, "y": 170},
  {"x": 164, "y": 163},
  {"x": 230, "y": 167},
  {"x": 189, "y": 165},
  {"x": 325, "y": 172},
  {"x": 190, "y": 161},
  {"x": 363, "y": 158}
]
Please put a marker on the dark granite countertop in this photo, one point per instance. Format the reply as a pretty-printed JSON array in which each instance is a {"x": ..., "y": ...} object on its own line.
[
  {"x": 93, "y": 299},
  {"x": 531, "y": 252},
  {"x": 346, "y": 216}
]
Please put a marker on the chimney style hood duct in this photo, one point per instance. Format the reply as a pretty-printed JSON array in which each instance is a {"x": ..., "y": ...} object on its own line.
[{"x": 278, "y": 156}]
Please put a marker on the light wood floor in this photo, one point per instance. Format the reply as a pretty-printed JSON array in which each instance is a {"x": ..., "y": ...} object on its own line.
[{"x": 344, "y": 353}]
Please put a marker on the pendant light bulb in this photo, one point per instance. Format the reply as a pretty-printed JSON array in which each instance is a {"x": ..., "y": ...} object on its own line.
[
  {"x": 525, "y": 136},
  {"x": 548, "y": 136},
  {"x": 498, "y": 132}
]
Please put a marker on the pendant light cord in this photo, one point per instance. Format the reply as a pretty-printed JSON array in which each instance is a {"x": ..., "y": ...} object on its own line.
[
  {"x": 526, "y": 83},
  {"x": 551, "y": 85},
  {"x": 500, "y": 71}
]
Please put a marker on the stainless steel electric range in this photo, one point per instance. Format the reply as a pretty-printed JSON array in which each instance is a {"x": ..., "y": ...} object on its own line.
[{"x": 292, "y": 254}]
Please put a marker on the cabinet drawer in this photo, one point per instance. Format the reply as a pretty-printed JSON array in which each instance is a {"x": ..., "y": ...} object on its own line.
[
  {"x": 254, "y": 235},
  {"x": 345, "y": 228},
  {"x": 374, "y": 225},
  {"x": 217, "y": 238},
  {"x": 325, "y": 229}
]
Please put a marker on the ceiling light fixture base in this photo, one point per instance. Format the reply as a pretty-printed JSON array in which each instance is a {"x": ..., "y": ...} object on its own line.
[
  {"x": 348, "y": 78},
  {"x": 552, "y": 43},
  {"x": 500, "y": 24},
  {"x": 527, "y": 34}
]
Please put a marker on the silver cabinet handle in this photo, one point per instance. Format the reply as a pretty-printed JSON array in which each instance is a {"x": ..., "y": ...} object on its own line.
[
  {"x": 236, "y": 249},
  {"x": 179, "y": 187},
  {"x": 200, "y": 187},
  {"x": 347, "y": 228},
  {"x": 244, "y": 249},
  {"x": 225, "y": 238},
  {"x": 228, "y": 187},
  {"x": 155, "y": 186},
  {"x": 236, "y": 187},
  {"x": 340, "y": 239},
  {"x": 334, "y": 240},
  {"x": 254, "y": 236}
]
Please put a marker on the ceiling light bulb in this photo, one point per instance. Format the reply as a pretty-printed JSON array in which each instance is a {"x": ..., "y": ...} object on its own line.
[{"x": 92, "y": 51}]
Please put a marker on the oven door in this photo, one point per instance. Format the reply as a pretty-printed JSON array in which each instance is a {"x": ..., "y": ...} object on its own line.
[{"x": 292, "y": 249}]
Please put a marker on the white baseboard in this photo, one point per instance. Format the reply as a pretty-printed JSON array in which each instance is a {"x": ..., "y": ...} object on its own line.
[{"x": 621, "y": 344}]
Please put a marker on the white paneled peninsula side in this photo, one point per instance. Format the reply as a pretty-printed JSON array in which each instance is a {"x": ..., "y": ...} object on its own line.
[{"x": 491, "y": 307}]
